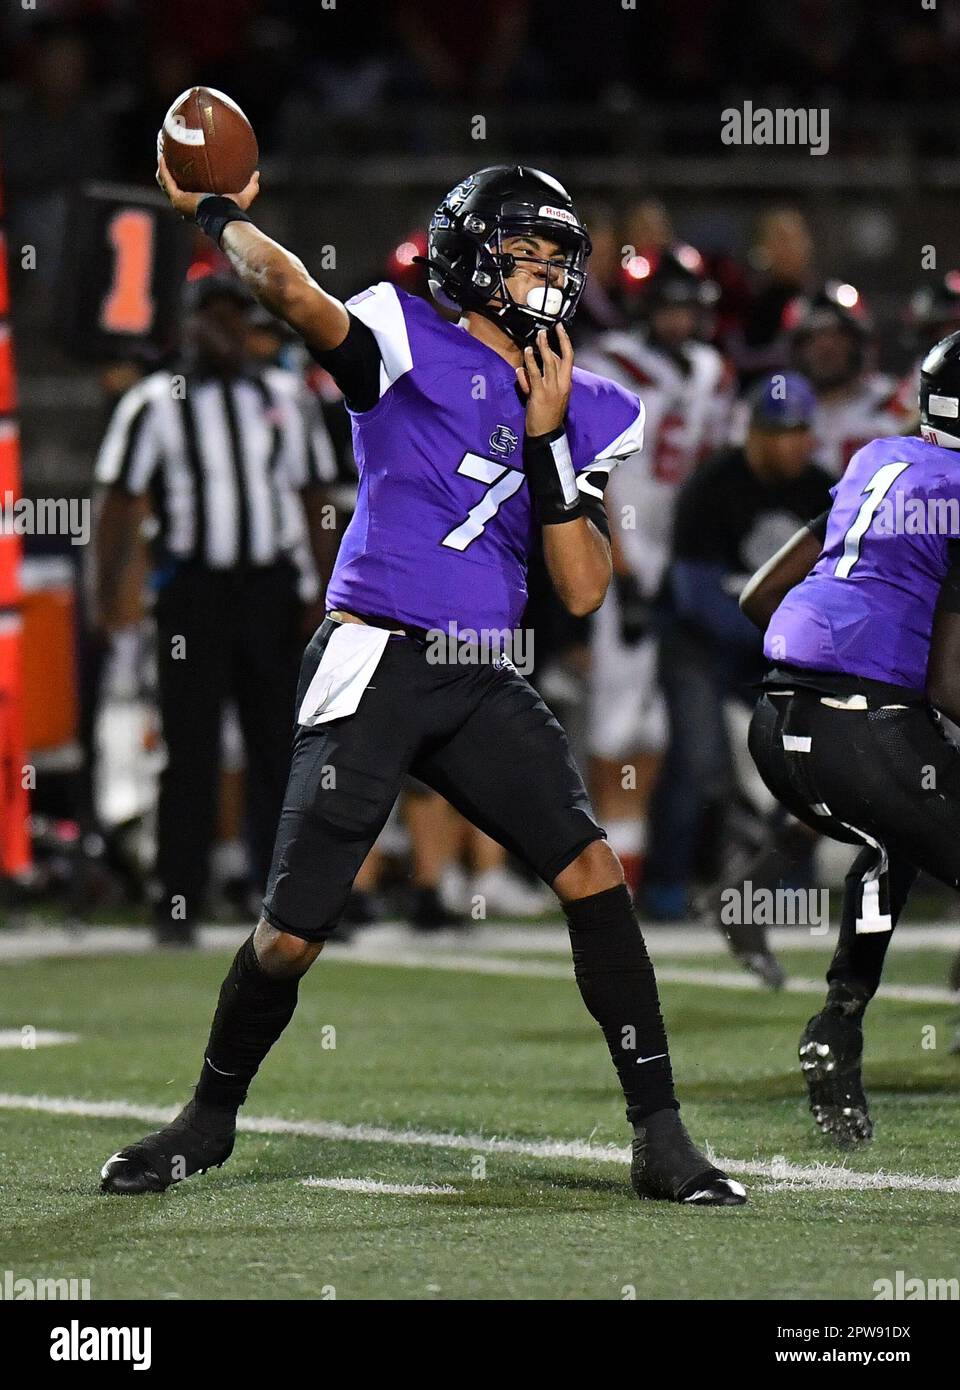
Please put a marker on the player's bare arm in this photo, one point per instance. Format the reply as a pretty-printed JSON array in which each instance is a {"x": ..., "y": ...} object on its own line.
[
  {"x": 576, "y": 554},
  {"x": 119, "y": 518},
  {"x": 324, "y": 541},
  {"x": 278, "y": 278},
  {"x": 943, "y": 670},
  {"x": 766, "y": 590},
  {"x": 578, "y": 562}
]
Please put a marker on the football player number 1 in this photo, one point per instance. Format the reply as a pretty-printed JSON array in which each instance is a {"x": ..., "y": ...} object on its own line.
[
  {"x": 128, "y": 306},
  {"x": 873, "y": 494},
  {"x": 500, "y": 483}
]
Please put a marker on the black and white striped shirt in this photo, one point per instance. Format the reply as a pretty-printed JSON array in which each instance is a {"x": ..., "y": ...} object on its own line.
[{"x": 222, "y": 461}]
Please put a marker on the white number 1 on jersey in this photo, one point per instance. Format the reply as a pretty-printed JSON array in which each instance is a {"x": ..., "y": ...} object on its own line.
[
  {"x": 873, "y": 494},
  {"x": 501, "y": 483}
]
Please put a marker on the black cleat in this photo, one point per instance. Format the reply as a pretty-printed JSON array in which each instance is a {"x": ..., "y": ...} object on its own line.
[
  {"x": 747, "y": 942},
  {"x": 765, "y": 965},
  {"x": 830, "y": 1051},
  {"x": 177, "y": 936},
  {"x": 427, "y": 913},
  {"x": 199, "y": 1138},
  {"x": 953, "y": 978},
  {"x": 668, "y": 1166}
]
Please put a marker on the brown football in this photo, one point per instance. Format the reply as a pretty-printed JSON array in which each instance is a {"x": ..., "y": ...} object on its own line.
[{"x": 208, "y": 143}]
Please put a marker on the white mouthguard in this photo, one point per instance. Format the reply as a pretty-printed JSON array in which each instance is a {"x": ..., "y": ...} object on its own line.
[{"x": 545, "y": 299}]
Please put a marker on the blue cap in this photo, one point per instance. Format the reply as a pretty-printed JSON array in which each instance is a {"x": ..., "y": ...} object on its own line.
[{"x": 783, "y": 401}]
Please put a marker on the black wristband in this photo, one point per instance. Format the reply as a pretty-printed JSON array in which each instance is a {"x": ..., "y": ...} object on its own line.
[
  {"x": 550, "y": 477},
  {"x": 214, "y": 212}
]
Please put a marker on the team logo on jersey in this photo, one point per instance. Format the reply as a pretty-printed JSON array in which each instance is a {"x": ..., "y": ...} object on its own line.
[{"x": 503, "y": 441}]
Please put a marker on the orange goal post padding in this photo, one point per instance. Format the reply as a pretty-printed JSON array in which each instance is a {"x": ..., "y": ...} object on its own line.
[{"x": 14, "y": 802}]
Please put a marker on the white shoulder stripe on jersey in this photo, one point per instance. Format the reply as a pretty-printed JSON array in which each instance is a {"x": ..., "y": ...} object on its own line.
[
  {"x": 380, "y": 309},
  {"x": 584, "y": 484},
  {"x": 625, "y": 444}
]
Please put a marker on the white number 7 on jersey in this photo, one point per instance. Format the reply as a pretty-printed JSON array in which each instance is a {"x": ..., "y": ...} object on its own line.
[
  {"x": 501, "y": 483},
  {"x": 873, "y": 494}
]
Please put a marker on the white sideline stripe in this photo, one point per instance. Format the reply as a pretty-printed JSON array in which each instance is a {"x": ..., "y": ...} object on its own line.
[
  {"x": 730, "y": 979},
  {"x": 826, "y": 1176},
  {"x": 37, "y": 943},
  {"x": 391, "y": 1189},
  {"x": 401, "y": 951},
  {"x": 423, "y": 958},
  {"x": 14, "y": 1038}
]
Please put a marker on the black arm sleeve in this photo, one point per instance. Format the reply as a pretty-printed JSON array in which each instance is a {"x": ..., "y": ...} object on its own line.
[
  {"x": 818, "y": 526},
  {"x": 949, "y": 599},
  {"x": 355, "y": 366},
  {"x": 593, "y": 507}
]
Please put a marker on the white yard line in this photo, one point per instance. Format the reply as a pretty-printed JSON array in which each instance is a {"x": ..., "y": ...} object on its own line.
[
  {"x": 390, "y": 1189},
  {"x": 27, "y": 1038},
  {"x": 824, "y": 1176}
]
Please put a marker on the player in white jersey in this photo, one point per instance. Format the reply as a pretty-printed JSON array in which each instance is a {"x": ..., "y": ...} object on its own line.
[
  {"x": 687, "y": 390},
  {"x": 830, "y": 342},
  {"x": 932, "y": 314}
]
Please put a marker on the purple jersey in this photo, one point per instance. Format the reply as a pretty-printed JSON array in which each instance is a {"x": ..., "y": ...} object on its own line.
[
  {"x": 866, "y": 608},
  {"x": 444, "y": 524}
]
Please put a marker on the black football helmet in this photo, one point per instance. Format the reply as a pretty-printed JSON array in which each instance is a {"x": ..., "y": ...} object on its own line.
[
  {"x": 940, "y": 393},
  {"x": 834, "y": 305},
  {"x": 469, "y": 267},
  {"x": 934, "y": 310},
  {"x": 939, "y": 302},
  {"x": 655, "y": 279}
]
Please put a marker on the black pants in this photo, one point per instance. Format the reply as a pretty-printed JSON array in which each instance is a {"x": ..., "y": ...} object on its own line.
[
  {"x": 698, "y": 777},
  {"x": 883, "y": 778},
  {"x": 479, "y": 734},
  {"x": 222, "y": 635}
]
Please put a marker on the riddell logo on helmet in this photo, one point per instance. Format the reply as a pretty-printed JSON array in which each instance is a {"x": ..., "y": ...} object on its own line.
[{"x": 558, "y": 215}]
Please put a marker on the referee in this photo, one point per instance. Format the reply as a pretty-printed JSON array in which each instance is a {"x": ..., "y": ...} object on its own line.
[{"x": 220, "y": 462}]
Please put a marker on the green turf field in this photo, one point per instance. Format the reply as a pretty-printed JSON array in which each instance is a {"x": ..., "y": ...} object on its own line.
[{"x": 451, "y": 1054}]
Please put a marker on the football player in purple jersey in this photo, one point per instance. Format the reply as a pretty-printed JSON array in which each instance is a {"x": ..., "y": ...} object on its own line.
[
  {"x": 469, "y": 437},
  {"x": 862, "y": 618}
]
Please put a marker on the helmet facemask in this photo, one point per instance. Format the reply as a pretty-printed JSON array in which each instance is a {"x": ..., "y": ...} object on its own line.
[{"x": 552, "y": 300}]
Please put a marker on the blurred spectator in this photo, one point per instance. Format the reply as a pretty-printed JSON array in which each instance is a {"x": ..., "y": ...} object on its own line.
[
  {"x": 647, "y": 227},
  {"x": 54, "y": 136},
  {"x": 933, "y": 313},
  {"x": 597, "y": 310},
  {"x": 832, "y": 341},
  {"x": 731, "y": 516},
  {"x": 686, "y": 389},
  {"x": 782, "y": 257},
  {"x": 461, "y": 51}
]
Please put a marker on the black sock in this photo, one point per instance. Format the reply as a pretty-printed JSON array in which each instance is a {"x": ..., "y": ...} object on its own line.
[
  {"x": 252, "y": 1012},
  {"x": 857, "y": 963},
  {"x": 619, "y": 988}
]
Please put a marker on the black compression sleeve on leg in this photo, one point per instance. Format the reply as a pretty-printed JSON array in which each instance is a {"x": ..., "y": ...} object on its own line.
[
  {"x": 619, "y": 988},
  {"x": 252, "y": 1012},
  {"x": 857, "y": 963}
]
